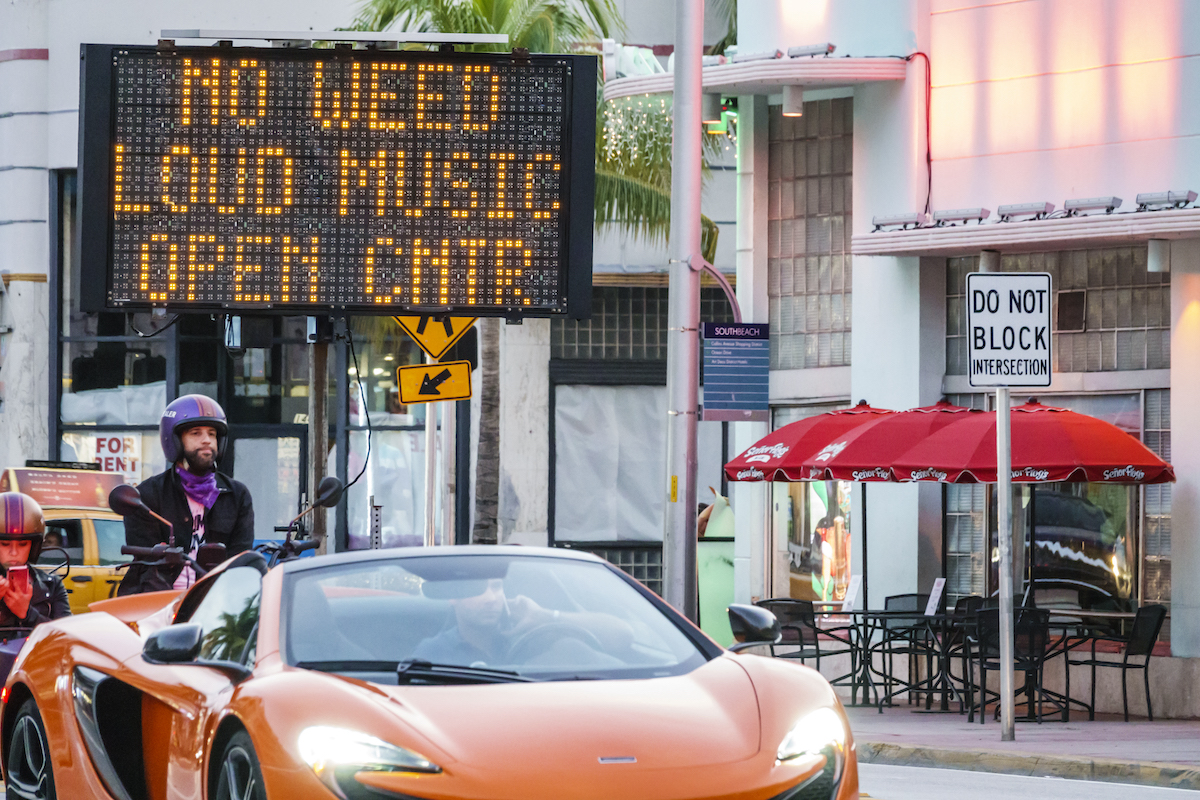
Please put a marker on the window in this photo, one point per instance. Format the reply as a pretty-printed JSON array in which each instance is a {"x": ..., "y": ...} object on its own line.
[
  {"x": 627, "y": 322},
  {"x": 110, "y": 535},
  {"x": 66, "y": 534},
  {"x": 1110, "y": 313},
  {"x": 813, "y": 518},
  {"x": 808, "y": 235},
  {"x": 1102, "y": 546},
  {"x": 228, "y": 613}
]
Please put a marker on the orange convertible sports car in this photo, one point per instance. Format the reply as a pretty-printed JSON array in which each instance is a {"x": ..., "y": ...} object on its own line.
[{"x": 464, "y": 672}]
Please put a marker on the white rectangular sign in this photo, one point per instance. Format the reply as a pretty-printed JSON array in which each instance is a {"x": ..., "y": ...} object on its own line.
[{"x": 1008, "y": 328}]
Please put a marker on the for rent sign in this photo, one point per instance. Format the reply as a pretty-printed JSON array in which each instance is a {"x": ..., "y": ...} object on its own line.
[{"x": 1008, "y": 325}]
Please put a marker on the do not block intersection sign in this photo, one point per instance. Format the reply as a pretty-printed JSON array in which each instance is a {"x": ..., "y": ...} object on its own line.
[{"x": 1008, "y": 326}]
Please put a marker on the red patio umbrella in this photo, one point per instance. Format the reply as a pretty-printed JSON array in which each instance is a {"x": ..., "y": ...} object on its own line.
[
  {"x": 778, "y": 455},
  {"x": 866, "y": 453},
  {"x": 1048, "y": 445}
]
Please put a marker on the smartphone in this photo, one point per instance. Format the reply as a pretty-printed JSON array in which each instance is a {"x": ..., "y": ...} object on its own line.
[{"x": 19, "y": 577}]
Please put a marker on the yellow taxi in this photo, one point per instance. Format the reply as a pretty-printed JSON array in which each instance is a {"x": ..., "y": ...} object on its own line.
[{"x": 78, "y": 520}]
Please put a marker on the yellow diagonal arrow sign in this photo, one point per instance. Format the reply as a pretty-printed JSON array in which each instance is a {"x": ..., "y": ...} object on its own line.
[
  {"x": 435, "y": 335},
  {"x": 432, "y": 383}
]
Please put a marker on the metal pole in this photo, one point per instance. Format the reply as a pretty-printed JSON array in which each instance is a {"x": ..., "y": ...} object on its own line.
[
  {"x": 1004, "y": 529},
  {"x": 683, "y": 316},
  {"x": 430, "y": 470},
  {"x": 318, "y": 431},
  {"x": 448, "y": 473}
]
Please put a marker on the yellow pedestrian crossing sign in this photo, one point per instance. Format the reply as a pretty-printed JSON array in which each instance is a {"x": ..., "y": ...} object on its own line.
[
  {"x": 435, "y": 335},
  {"x": 432, "y": 383}
]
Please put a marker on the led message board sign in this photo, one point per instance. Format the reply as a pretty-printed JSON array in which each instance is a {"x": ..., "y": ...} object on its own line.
[{"x": 316, "y": 181}]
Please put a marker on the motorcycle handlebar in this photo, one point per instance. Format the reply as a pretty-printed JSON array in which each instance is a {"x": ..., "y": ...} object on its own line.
[
  {"x": 142, "y": 552},
  {"x": 300, "y": 547}
]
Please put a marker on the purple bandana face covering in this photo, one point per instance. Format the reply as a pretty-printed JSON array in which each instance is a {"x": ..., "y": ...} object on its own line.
[{"x": 201, "y": 488}]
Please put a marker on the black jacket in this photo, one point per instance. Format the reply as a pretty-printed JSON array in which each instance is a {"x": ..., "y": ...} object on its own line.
[
  {"x": 230, "y": 522},
  {"x": 49, "y": 602}
]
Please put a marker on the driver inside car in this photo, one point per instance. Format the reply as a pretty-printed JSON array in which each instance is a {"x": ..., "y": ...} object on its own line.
[{"x": 487, "y": 624}]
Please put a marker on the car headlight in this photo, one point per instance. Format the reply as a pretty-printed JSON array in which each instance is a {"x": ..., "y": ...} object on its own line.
[
  {"x": 335, "y": 754},
  {"x": 818, "y": 731}
]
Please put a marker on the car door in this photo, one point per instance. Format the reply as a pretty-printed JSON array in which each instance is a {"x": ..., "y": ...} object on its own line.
[
  {"x": 108, "y": 535},
  {"x": 67, "y": 533},
  {"x": 189, "y": 696}
]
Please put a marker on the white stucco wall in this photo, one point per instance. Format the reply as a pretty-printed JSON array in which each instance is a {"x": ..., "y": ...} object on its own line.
[{"x": 1057, "y": 99}]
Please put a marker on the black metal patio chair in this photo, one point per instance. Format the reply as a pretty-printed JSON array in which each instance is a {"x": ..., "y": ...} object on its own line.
[
  {"x": 1147, "y": 624},
  {"x": 799, "y": 628},
  {"x": 1031, "y": 640},
  {"x": 904, "y": 636}
]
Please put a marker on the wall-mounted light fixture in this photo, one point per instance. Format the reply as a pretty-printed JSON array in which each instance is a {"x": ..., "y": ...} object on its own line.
[
  {"x": 1158, "y": 255},
  {"x": 793, "y": 101},
  {"x": 1031, "y": 210},
  {"x": 710, "y": 109},
  {"x": 822, "y": 49},
  {"x": 964, "y": 215},
  {"x": 1153, "y": 201},
  {"x": 898, "y": 221},
  {"x": 1079, "y": 205}
]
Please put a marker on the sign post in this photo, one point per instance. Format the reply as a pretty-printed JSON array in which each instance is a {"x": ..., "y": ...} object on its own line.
[{"x": 1008, "y": 318}]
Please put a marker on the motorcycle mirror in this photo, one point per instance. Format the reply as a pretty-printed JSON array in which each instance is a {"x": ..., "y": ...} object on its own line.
[
  {"x": 125, "y": 500},
  {"x": 210, "y": 554},
  {"x": 329, "y": 491}
]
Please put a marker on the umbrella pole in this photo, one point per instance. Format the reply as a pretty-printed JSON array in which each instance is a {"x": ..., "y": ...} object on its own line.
[
  {"x": 865, "y": 571},
  {"x": 1004, "y": 540}
]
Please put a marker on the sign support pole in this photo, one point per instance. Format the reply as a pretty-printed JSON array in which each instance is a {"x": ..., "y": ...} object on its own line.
[
  {"x": 1004, "y": 528},
  {"x": 430, "y": 469},
  {"x": 318, "y": 430},
  {"x": 683, "y": 316},
  {"x": 449, "y": 487}
]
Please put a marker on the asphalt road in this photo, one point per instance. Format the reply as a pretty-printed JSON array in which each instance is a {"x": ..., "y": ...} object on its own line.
[{"x": 921, "y": 783}]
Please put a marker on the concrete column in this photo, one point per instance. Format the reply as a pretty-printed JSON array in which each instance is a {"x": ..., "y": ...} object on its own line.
[
  {"x": 1185, "y": 448},
  {"x": 524, "y": 432},
  {"x": 24, "y": 232},
  {"x": 749, "y": 500}
]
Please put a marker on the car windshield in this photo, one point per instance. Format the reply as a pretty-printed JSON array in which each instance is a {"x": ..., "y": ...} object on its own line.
[{"x": 471, "y": 616}]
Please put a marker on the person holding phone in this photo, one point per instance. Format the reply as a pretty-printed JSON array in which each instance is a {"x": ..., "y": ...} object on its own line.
[
  {"x": 29, "y": 597},
  {"x": 204, "y": 506}
]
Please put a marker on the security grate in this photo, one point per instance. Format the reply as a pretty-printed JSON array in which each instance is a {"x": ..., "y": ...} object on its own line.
[
  {"x": 1119, "y": 314},
  {"x": 643, "y": 564},
  {"x": 808, "y": 235},
  {"x": 627, "y": 323}
]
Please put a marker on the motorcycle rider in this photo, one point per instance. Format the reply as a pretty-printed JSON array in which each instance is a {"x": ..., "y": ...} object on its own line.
[
  {"x": 203, "y": 505},
  {"x": 44, "y": 598}
]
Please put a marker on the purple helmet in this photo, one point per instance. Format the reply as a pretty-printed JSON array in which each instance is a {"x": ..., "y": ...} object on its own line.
[
  {"x": 21, "y": 520},
  {"x": 187, "y": 412}
]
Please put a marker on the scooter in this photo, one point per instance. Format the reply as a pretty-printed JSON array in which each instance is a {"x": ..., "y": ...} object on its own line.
[{"x": 125, "y": 500}]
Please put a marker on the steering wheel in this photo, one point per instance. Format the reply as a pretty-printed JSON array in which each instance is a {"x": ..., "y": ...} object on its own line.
[{"x": 538, "y": 639}]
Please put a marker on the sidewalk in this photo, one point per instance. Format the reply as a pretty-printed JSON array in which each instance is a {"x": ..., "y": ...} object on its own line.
[{"x": 1163, "y": 753}]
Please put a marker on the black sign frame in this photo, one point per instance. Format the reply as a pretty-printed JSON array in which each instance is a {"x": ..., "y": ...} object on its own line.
[{"x": 97, "y": 119}]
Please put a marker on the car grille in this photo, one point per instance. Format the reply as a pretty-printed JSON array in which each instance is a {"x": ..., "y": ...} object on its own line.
[{"x": 821, "y": 786}]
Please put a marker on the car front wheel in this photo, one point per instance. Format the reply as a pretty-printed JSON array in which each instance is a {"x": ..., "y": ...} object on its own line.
[
  {"x": 28, "y": 774},
  {"x": 240, "y": 777}
]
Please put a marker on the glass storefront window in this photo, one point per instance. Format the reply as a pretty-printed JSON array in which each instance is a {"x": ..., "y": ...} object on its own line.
[
  {"x": 380, "y": 346},
  {"x": 136, "y": 454},
  {"x": 395, "y": 477},
  {"x": 114, "y": 383},
  {"x": 815, "y": 517}
]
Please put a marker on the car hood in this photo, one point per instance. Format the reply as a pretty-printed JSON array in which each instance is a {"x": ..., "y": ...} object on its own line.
[{"x": 708, "y": 716}]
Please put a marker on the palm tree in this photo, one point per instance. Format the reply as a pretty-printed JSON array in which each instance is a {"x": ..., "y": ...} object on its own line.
[{"x": 633, "y": 169}]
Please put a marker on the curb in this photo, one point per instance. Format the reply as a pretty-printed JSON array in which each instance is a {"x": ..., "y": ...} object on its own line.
[{"x": 1143, "y": 773}]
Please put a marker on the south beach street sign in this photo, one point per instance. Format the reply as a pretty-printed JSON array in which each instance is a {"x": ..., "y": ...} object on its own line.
[{"x": 1008, "y": 328}]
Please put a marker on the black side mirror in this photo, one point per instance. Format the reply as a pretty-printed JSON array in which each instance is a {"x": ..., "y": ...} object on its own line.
[
  {"x": 176, "y": 644},
  {"x": 125, "y": 500},
  {"x": 752, "y": 626},
  {"x": 329, "y": 491},
  {"x": 210, "y": 554}
]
